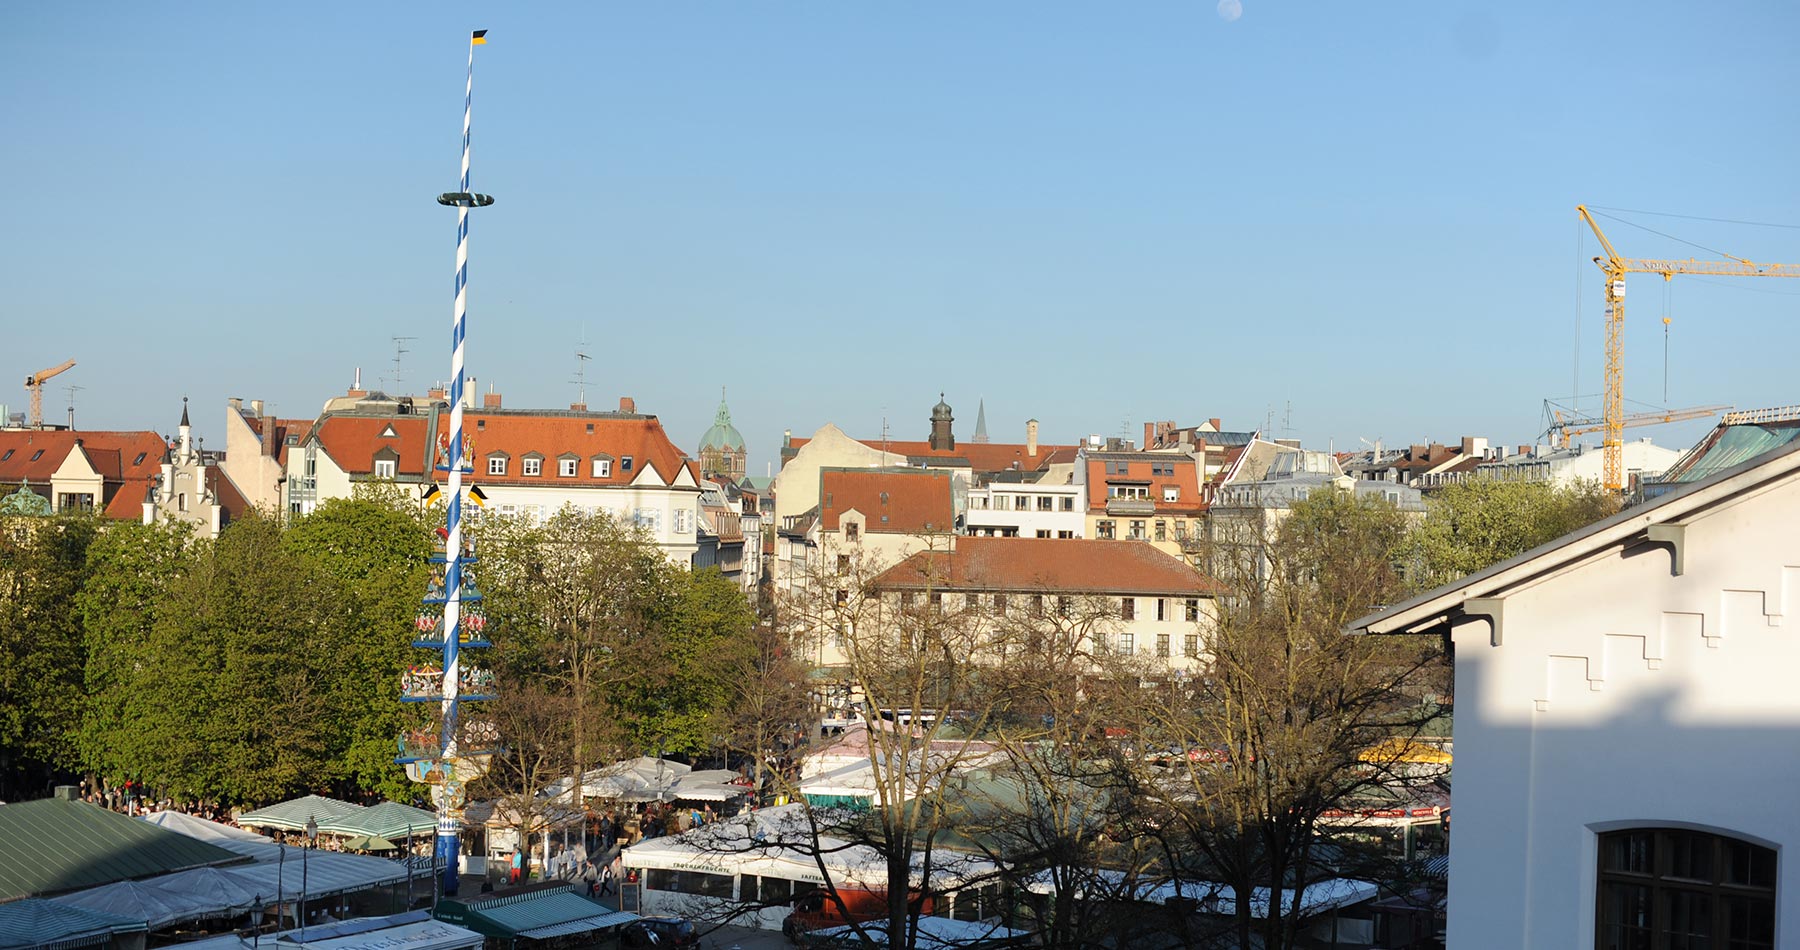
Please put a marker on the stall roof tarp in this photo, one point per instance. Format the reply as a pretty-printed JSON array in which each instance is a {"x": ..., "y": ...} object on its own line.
[
  {"x": 412, "y": 930},
  {"x": 293, "y": 814},
  {"x": 1315, "y": 898},
  {"x": 390, "y": 820},
  {"x": 51, "y": 845},
  {"x": 200, "y": 829},
  {"x": 643, "y": 779},
  {"x": 48, "y": 924},
  {"x": 780, "y": 841},
  {"x": 322, "y": 873},
  {"x": 532, "y": 914},
  {"x": 139, "y": 901}
]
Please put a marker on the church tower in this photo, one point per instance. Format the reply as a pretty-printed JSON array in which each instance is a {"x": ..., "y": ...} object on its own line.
[
  {"x": 722, "y": 452},
  {"x": 942, "y": 439}
]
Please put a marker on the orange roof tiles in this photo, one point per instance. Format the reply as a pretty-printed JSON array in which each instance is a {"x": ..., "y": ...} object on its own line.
[
  {"x": 124, "y": 460},
  {"x": 1049, "y": 565},
  {"x": 1137, "y": 470},
  {"x": 352, "y": 442},
  {"x": 583, "y": 435},
  {"x": 909, "y": 502},
  {"x": 981, "y": 456}
]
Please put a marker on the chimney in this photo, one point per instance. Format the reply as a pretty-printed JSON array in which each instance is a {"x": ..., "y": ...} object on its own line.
[
  {"x": 490, "y": 401},
  {"x": 437, "y": 393},
  {"x": 627, "y": 404},
  {"x": 578, "y": 407},
  {"x": 1214, "y": 421},
  {"x": 236, "y": 404},
  {"x": 1524, "y": 450},
  {"x": 268, "y": 433},
  {"x": 1416, "y": 453},
  {"x": 1149, "y": 434},
  {"x": 1031, "y": 427},
  {"x": 356, "y": 389},
  {"x": 256, "y": 408}
]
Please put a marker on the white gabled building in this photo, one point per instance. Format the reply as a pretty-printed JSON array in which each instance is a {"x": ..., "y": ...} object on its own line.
[
  {"x": 528, "y": 462},
  {"x": 1626, "y": 724}
]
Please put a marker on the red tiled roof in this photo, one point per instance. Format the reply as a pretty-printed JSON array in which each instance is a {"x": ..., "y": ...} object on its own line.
[
  {"x": 352, "y": 442},
  {"x": 283, "y": 428},
  {"x": 1076, "y": 565},
  {"x": 124, "y": 460},
  {"x": 226, "y": 492},
  {"x": 981, "y": 456},
  {"x": 911, "y": 502},
  {"x": 1186, "y": 481},
  {"x": 553, "y": 435}
]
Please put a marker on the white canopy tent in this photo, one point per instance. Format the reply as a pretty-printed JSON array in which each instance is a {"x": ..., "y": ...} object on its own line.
[{"x": 643, "y": 779}]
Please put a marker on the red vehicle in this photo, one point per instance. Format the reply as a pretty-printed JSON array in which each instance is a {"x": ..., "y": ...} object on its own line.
[{"x": 816, "y": 909}]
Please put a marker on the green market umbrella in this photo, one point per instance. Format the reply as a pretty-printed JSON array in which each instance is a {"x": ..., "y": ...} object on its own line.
[{"x": 368, "y": 843}]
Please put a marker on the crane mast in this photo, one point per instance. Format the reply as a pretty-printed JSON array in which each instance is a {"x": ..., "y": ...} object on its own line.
[{"x": 1615, "y": 268}]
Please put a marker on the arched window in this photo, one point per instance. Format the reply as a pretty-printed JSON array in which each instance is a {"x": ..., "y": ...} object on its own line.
[{"x": 1672, "y": 887}]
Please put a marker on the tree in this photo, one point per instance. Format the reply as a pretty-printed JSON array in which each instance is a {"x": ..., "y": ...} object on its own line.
[
  {"x": 235, "y": 707},
  {"x": 1473, "y": 524},
  {"x": 1283, "y": 727},
  {"x": 374, "y": 549},
  {"x": 768, "y": 685},
  {"x": 43, "y": 562},
  {"x": 131, "y": 570}
]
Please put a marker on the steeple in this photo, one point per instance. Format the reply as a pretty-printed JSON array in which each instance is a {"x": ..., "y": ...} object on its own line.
[
  {"x": 186, "y": 430},
  {"x": 981, "y": 436}
]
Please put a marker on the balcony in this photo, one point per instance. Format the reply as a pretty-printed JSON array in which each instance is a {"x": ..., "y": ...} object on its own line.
[{"x": 1130, "y": 506}]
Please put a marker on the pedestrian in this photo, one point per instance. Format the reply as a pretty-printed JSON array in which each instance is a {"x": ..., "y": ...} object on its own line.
[
  {"x": 606, "y": 879},
  {"x": 518, "y": 866},
  {"x": 592, "y": 877}
]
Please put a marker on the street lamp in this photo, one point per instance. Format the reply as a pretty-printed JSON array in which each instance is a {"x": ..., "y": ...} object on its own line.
[
  {"x": 312, "y": 839},
  {"x": 256, "y": 918}
]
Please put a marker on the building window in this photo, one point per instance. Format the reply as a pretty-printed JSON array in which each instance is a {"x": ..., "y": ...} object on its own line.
[
  {"x": 1037, "y": 605},
  {"x": 971, "y": 601},
  {"x": 1066, "y": 535},
  {"x": 851, "y": 530},
  {"x": 1103, "y": 529},
  {"x": 625, "y": 464},
  {"x": 1190, "y": 645},
  {"x": 1137, "y": 531},
  {"x": 532, "y": 467},
  {"x": 565, "y": 468},
  {"x": 843, "y": 595},
  {"x": 1162, "y": 608},
  {"x": 1046, "y": 503},
  {"x": 497, "y": 465},
  {"x": 1021, "y": 502},
  {"x": 1180, "y": 530},
  {"x": 1162, "y": 645},
  {"x": 843, "y": 563},
  {"x": 384, "y": 468},
  {"x": 1171, "y": 493},
  {"x": 1128, "y": 608},
  {"x": 603, "y": 468},
  {"x": 937, "y": 602},
  {"x": 1162, "y": 531},
  {"x": 1068, "y": 503},
  {"x": 1064, "y": 605},
  {"x": 906, "y": 598},
  {"x": 1000, "y": 603},
  {"x": 1670, "y": 887},
  {"x": 1127, "y": 644},
  {"x": 1193, "y": 610},
  {"x": 1043, "y": 532}
]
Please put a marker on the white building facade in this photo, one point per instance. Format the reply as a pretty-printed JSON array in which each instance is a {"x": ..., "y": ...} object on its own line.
[
  {"x": 1625, "y": 726},
  {"x": 1026, "y": 510}
]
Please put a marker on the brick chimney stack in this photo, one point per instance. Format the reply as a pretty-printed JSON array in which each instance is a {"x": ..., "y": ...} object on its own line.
[
  {"x": 490, "y": 400},
  {"x": 627, "y": 404},
  {"x": 1031, "y": 429}
]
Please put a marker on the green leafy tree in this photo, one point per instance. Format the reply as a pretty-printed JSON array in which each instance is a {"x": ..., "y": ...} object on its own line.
[
  {"x": 131, "y": 568},
  {"x": 1477, "y": 523},
  {"x": 42, "y": 654},
  {"x": 374, "y": 550},
  {"x": 236, "y": 708}
]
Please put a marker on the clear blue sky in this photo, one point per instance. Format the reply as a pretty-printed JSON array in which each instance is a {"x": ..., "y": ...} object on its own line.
[{"x": 1091, "y": 214}]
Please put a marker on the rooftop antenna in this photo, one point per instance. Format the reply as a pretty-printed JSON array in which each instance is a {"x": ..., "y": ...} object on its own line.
[
  {"x": 73, "y": 389},
  {"x": 884, "y": 430},
  {"x": 581, "y": 361},
  {"x": 1287, "y": 417},
  {"x": 399, "y": 351}
]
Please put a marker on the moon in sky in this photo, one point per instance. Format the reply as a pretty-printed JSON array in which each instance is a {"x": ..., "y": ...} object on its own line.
[{"x": 1230, "y": 10}]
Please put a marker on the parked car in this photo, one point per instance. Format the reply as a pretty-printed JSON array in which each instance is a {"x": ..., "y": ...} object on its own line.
[{"x": 659, "y": 932}]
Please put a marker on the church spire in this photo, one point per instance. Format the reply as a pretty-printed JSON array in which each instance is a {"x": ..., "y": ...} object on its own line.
[{"x": 981, "y": 435}]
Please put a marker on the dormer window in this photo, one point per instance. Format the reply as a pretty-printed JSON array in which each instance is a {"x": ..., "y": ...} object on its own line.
[
  {"x": 602, "y": 468},
  {"x": 384, "y": 468},
  {"x": 496, "y": 465},
  {"x": 625, "y": 464},
  {"x": 566, "y": 467},
  {"x": 389, "y": 433},
  {"x": 532, "y": 466}
]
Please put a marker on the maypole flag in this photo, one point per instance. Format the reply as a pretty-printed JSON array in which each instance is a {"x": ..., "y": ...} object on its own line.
[{"x": 479, "y": 38}]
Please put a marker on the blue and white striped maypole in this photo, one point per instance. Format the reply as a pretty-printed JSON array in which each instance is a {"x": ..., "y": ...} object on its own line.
[{"x": 463, "y": 200}]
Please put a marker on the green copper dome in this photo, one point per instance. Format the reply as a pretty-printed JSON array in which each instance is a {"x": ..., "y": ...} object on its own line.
[{"x": 722, "y": 435}]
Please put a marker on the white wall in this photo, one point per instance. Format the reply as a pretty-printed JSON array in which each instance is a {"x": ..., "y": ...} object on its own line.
[
  {"x": 994, "y": 506},
  {"x": 1624, "y": 695}
]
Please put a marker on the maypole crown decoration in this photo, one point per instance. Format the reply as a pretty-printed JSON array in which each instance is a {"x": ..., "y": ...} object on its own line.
[{"x": 452, "y": 752}]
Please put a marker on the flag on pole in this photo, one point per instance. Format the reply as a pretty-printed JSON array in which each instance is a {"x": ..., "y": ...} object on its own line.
[
  {"x": 430, "y": 495},
  {"x": 479, "y": 38},
  {"x": 478, "y": 496}
]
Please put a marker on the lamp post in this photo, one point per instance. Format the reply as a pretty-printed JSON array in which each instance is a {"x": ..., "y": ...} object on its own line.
[
  {"x": 312, "y": 838},
  {"x": 256, "y": 919}
]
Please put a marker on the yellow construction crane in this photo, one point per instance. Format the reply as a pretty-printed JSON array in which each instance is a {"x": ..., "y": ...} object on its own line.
[
  {"x": 1615, "y": 268},
  {"x": 35, "y": 383},
  {"x": 1564, "y": 429}
]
